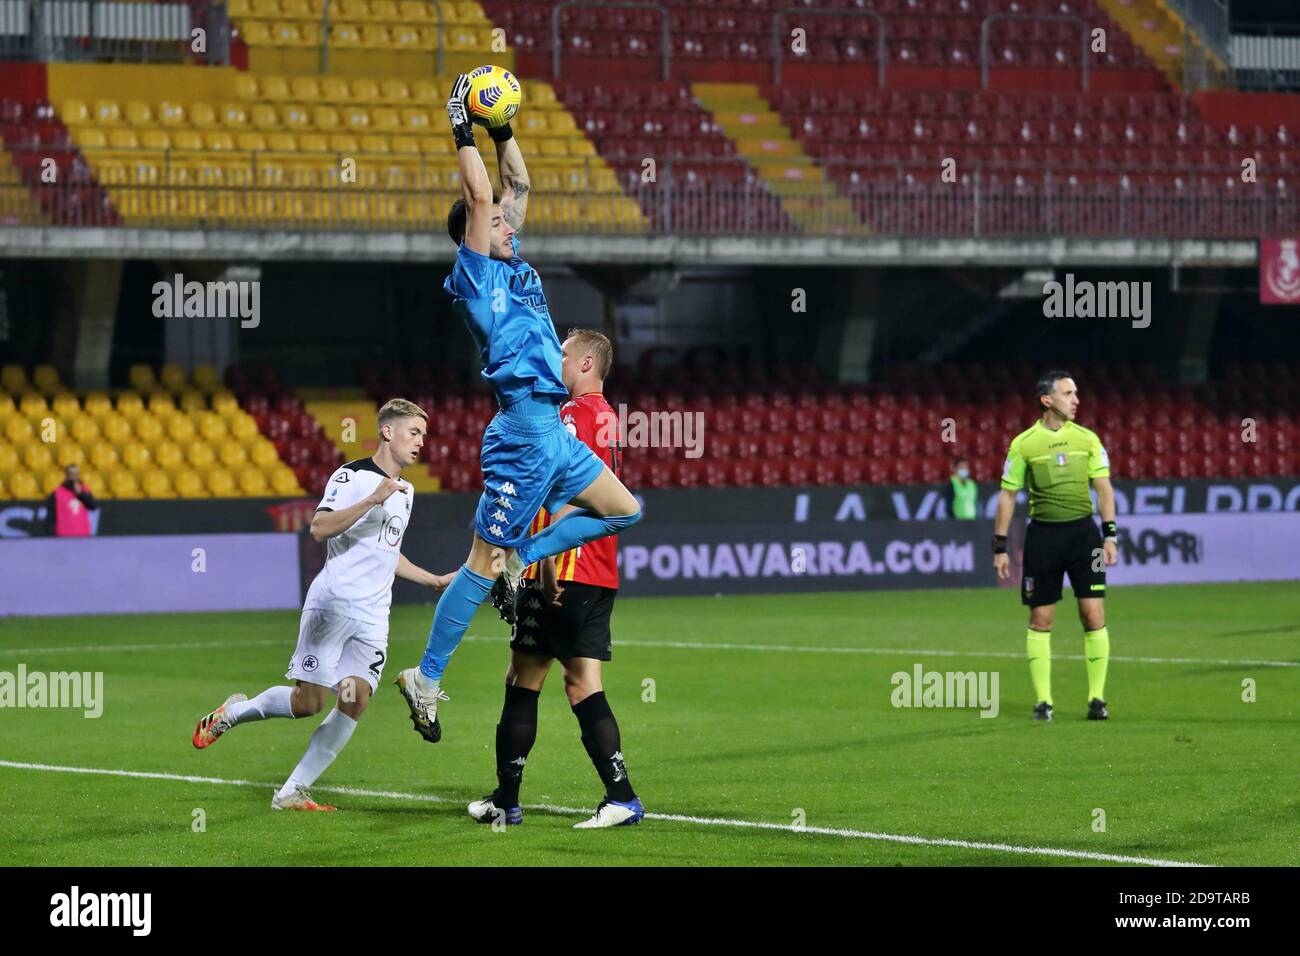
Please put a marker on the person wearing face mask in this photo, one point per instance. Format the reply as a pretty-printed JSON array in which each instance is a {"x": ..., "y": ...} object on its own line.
[{"x": 963, "y": 492}]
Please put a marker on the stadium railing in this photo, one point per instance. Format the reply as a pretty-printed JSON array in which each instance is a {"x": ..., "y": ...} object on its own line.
[
  {"x": 246, "y": 190},
  {"x": 559, "y": 9},
  {"x": 778, "y": 41},
  {"x": 95, "y": 30},
  {"x": 986, "y": 26}
]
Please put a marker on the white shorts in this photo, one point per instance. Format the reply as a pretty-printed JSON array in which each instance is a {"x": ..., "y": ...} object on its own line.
[{"x": 332, "y": 646}]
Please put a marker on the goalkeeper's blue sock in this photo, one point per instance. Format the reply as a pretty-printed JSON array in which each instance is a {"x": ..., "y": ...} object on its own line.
[
  {"x": 455, "y": 610},
  {"x": 575, "y": 528}
]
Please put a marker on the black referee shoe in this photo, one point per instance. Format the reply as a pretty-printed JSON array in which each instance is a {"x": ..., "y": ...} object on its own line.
[
  {"x": 503, "y": 599},
  {"x": 1042, "y": 710},
  {"x": 1097, "y": 709}
]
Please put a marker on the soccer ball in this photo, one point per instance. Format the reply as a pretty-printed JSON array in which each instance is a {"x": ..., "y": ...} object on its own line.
[{"x": 494, "y": 96}]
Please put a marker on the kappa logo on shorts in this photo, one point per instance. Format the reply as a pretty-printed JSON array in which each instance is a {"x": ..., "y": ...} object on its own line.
[
  {"x": 527, "y": 641},
  {"x": 310, "y": 663},
  {"x": 495, "y": 530},
  {"x": 499, "y": 515}
]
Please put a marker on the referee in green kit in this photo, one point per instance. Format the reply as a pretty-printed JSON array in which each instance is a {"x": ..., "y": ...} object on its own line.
[{"x": 1054, "y": 460}]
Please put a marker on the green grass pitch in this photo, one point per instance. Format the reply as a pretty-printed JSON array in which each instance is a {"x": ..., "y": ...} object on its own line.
[{"x": 1185, "y": 770}]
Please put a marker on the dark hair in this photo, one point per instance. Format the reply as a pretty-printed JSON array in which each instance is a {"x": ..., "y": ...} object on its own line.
[
  {"x": 959, "y": 459},
  {"x": 599, "y": 345},
  {"x": 457, "y": 217},
  {"x": 1047, "y": 381}
]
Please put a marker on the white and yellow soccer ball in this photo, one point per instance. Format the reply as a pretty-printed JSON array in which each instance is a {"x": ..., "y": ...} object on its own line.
[{"x": 494, "y": 96}]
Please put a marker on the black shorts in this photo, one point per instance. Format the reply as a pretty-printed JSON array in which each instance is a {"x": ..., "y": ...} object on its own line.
[
  {"x": 1054, "y": 549},
  {"x": 579, "y": 627}
]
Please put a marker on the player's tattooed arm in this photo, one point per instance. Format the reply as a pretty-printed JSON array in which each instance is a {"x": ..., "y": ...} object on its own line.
[{"x": 515, "y": 184}]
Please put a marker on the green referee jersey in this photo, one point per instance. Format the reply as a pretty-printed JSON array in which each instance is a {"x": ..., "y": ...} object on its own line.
[{"x": 1055, "y": 468}]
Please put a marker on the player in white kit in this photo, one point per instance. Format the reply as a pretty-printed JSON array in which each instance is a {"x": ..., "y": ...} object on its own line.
[{"x": 343, "y": 633}]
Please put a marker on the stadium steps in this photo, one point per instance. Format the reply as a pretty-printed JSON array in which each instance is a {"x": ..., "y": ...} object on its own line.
[
  {"x": 762, "y": 138},
  {"x": 333, "y": 410},
  {"x": 1158, "y": 31}
]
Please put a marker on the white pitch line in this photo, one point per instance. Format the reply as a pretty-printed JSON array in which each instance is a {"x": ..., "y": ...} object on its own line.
[
  {"x": 670, "y": 645},
  {"x": 672, "y": 817}
]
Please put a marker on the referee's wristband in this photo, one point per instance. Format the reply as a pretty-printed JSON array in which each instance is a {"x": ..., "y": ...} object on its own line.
[
  {"x": 999, "y": 544},
  {"x": 1110, "y": 530},
  {"x": 500, "y": 134}
]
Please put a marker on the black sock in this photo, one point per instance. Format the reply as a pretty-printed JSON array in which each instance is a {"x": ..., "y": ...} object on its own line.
[
  {"x": 600, "y": 737},
  {"x": 515, "y": 736}
]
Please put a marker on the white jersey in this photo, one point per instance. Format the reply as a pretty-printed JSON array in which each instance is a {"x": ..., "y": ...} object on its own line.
[{"x": 360, "y": 563}]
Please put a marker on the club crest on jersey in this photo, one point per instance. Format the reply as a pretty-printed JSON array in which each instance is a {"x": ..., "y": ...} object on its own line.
[
  {"x": 1062, "y": 458},
  {"x": 310, "y": 663}
]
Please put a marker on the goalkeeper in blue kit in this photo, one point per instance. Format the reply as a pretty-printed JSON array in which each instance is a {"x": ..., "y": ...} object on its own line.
[{"x": 529, "y": 459}]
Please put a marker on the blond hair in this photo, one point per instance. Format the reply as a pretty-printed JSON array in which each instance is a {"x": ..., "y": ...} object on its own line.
[
  {"x": 599, "y": 345},
  {"x": 396, "y": 408}
]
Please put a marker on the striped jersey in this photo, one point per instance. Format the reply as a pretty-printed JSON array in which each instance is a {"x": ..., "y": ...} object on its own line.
[{"x": 590, "y": 418}]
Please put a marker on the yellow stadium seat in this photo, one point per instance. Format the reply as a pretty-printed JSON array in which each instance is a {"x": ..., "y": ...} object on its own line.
[
  {"x": 23, "y": 485},
  {"x": 92, "y": 138},
  {"x": 250, "y": 141},
  {"x": 180, "y": 428},
  {"x": 206, "y": 378},
  {"x": 280, "y": 143},
  {"x": 155, "y": 485},
  {"x": 462, "y": 39},
  {"x": 233, "y": 115},
  {"x": 425, "y": 92},
  {"x": 295, "y": 117},
  {"x": 168, "y": 455},
  {"x": 344, "y": 143},
  {"x": 541, "y": 94},
  {"x": 138, "y": 113},
  {"x": 552, "y": 147},
  {"x": 394, "y": 92},
  {"x": 534, "y": 123},
  {"x": 171, "y": 114},
  {"x": 345, "y": 35},
  {"x": 116, "y": 429},
  {"x": 255, "y": 32},
  {"x": 74, "y": 113},
  {"x": 107, "y": 113},
  {"x": 264, "y": 117},
  {"x": 50, "y": 479},
  {"x": 136, "y": 456},
  {"x": 155, "y": 139},
  {"x": 356, "y": 118},
  {"x": 18, "y": 431},
  {"x": 243, "y": 427},
  {"x": 200, "y": 455},
  {"x": 218, "y": 140},
  {"x": 94, "y": 482},
  {"x": 262, "y": 453},
  {"x": 221, "y": 484},
  {"x": 191, "y": 400},
  {"x": 561, "y": 122},
  {"x": 123, "y": 139},
  {"x": 37, "y": 457},
  {"x": 104, "y": 457},
  {"x": 33, "y": 406},
  {"x": 385, "y": 10},
  {"x": 365, "y": 91},
  {"x": 267, "y": 8},
  {"x": 122, "y": 484},
  {"x": 325, "y": 118},
  {"x": 246, "y": 85},
  {"x": 141, "y": 378},
  {"x": 148, "y": 429},
  {"x": 404, "y": 145},
  {"x": 351, "y": 9},
  {"x": 46, "y": 379},
  {"x": 13, "y": 379},
  {"x": 202, "y": 115},
  {"x": 285, "y": 33},
  {"x": 375, "y": 36},
  {"x": 8, "y": 458},
  {"x": 312, "y": 143},
  {"x": 69, "y": 453},
  {"x": 309, "y": 90},
  {"x": 161, "y": 403},
  {"x": 415, "y": 11},
  {"x": 253, "y": 483},
  {"x": 172, "y": 377},
  {"x": 188, "y": 140},
  {"x": 274, "y": 89},
  {"x": 415, "y": 120},
  {"x": 375, "y": 144},
  {"x": 188, "y": 484},
  {"x": 7, "y": 406},
  {"x": 385, "y": 120},
  {"x": 232, "y": 455},
  {"x": 4, "y": 492},
  {"x": 211, "y": 427},
  {"x": 65, "y": 405}
]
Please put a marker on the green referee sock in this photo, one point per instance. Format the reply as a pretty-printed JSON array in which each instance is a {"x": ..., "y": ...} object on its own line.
[
  {"x": 1038, "y": 646},
  {"x": 1096, "y": 648}
]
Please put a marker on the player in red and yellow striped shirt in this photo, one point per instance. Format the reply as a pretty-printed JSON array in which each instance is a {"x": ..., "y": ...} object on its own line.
[{"x": 563, "y": 613}]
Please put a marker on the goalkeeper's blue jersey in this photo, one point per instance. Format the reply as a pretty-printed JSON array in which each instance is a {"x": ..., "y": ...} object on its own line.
[{"x": 505, "y": 310}]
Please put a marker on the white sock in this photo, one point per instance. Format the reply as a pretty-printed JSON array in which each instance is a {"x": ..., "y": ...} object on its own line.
[
  {"x": 328, "y": 739},
  {"x": 272, "y": 702}
]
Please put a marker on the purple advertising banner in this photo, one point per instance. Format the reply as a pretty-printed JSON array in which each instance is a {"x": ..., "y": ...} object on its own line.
[
  {"x": 128, "y": 574},
  {"x": 1190, "y": 548}
]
